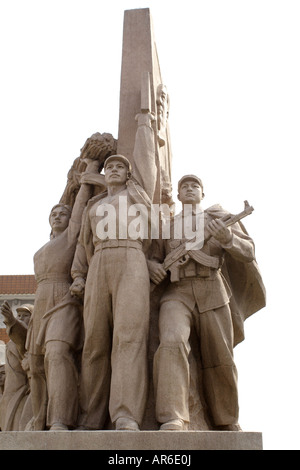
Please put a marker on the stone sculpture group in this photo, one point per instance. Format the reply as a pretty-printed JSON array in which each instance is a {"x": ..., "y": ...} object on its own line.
[{"x": 137, "y": 310}]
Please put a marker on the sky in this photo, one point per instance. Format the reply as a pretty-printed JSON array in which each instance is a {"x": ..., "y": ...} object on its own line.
[{"x": 232, "y": 70}]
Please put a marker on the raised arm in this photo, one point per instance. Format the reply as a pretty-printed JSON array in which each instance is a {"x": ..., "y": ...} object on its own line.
[
  {"x": 144, "y": 165},
  {"x": 16, "y": 330}
]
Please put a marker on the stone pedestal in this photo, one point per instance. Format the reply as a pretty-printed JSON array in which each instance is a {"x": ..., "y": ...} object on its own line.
[{"x": 126, "y": 440}]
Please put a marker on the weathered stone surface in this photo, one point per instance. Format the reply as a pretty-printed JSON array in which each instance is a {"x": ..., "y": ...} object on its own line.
[
  {"x": 140, "y": 60},
  {"x": 118, "y": 440}
]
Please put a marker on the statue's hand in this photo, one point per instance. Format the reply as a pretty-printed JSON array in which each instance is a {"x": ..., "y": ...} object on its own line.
[
  {"x": 77, "y": 288},
  {"x": 92, "y": 165},
  {"x": 219, "y": 231},
  {"x": 157, "y": 272},
  {"x": 7, "y": 312}
]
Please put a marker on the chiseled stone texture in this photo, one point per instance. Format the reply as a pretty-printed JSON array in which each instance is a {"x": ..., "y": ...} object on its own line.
[{"x": 122, "y": 440}]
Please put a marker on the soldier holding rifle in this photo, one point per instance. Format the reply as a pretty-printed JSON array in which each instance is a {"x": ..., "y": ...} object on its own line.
[{"x": 199, "y": 295}]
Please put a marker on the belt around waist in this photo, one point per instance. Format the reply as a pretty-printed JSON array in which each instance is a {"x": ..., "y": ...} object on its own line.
[{"x": 119, "y": 243}]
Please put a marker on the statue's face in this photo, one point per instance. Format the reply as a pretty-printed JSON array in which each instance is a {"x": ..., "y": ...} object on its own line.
[
  {"x": 116, "y": 172},
  {"x": 162, "y": 100},
  {"x": 190, "y": 192},
  {"x": 24, "y": 316},
  {"x": 59, "y": 219}
]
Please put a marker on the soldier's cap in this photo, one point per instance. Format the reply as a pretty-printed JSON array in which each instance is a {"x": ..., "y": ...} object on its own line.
[
  {"x": 190, "y": 177},
  {"x": 28, "y": 307},
  {"x": 121, "y": 158}
]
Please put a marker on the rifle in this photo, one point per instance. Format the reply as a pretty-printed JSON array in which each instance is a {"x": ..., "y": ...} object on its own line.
[
  {"x": 180, "y": 256},
  {"x": 230, "y": 219}
]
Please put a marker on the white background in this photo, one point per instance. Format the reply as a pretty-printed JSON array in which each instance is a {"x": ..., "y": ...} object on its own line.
[{"x": 233, "y": 74}]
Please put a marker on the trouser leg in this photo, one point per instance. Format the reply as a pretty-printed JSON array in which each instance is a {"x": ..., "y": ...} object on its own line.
[
  {"x": 95, "y": 371},
  {"x": 171, "y": 372},
  {"x": 62, "y": 381},
  {"x": 129, "y": 380},
  {"x": 38, "y": 387},
  {"x": 219, "y": 370}
]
